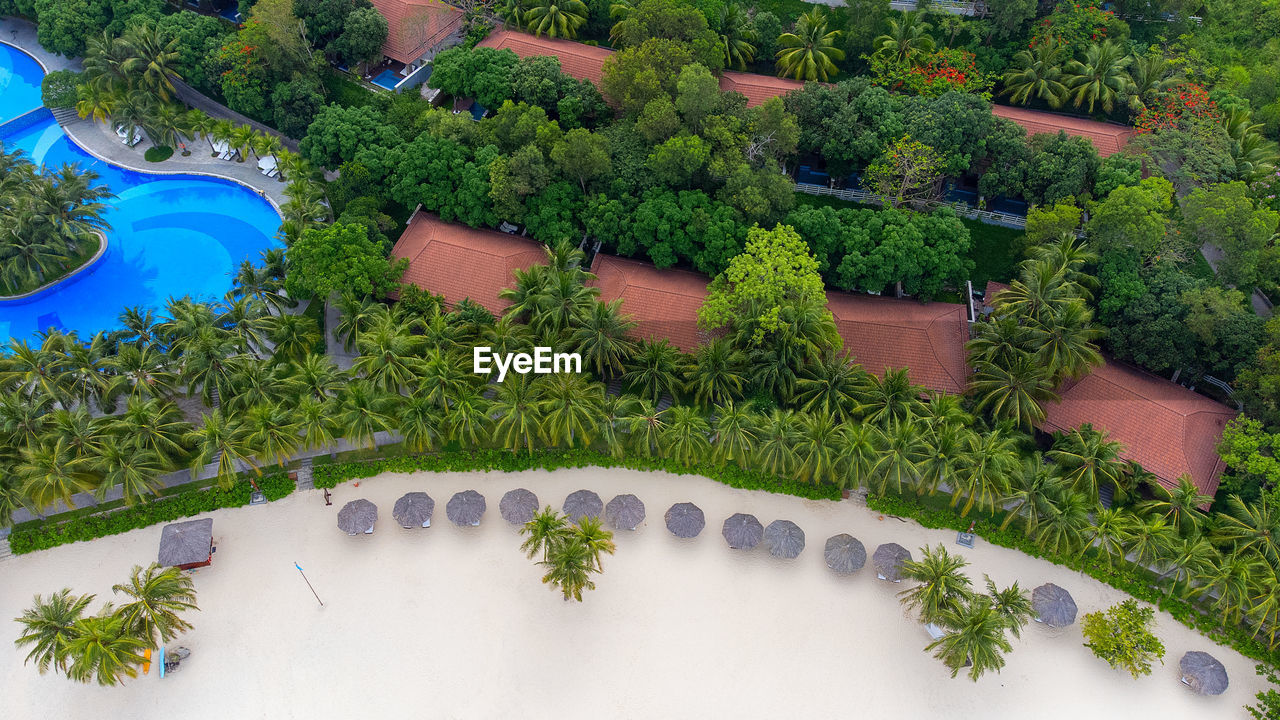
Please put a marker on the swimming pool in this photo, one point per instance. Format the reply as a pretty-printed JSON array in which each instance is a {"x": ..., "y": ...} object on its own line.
[
  {"x": 19, "y": 83},
  {"x": 387, "y": 79},
  {"x": 170, "y": 236}
]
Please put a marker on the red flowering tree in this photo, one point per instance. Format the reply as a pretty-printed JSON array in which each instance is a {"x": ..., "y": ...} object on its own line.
[
  {"x": 242, "y": 77},
  {"x": 931, "y": 74},
  {"x": 1077, "y": 25},
  {"x": 1184, "y": 107}
]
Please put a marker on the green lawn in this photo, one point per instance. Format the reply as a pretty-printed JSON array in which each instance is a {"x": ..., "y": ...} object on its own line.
[{"x": 341, "y": 89}]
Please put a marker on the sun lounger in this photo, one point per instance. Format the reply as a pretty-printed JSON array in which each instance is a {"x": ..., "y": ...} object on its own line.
[{"x": 273, "y": 173}]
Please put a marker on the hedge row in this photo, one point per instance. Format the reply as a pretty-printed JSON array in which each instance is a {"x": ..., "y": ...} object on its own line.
[
  {"x": 167, "y": 508},
  {"x": 1135, "y": 581},
  {"x": 327, "y": 476}
]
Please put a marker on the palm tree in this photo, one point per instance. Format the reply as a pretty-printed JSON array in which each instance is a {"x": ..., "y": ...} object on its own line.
[
  {"x": 518, "y": 413},
  {"x": 1012, "y": 603},
  {"x": 645, "y": 425},
  {"x": 316, "y": 423},
  {"x": 737, "y": 35},
  {"x": 942, "y": 585},
  {"x": 598, "y": 541},
  {"x": 569, "y": 567},
  {"x": 1108, "y": 532},
  {"x": 1032, "y": 491},
  {"x": 832, "y": 385},
  {"x": 363, "y": 411},
  {"x": 223, "y": 131},
  {"x": 241, "y": 140},
  {"x": 355, "y": 313},
  {"x": 153, "y": 60},
  {"x": 547, "y": 529},
  {"x": 1228, "y": 583},
  {"x": 153, "y": 425},
  {"x": 715, "y": 375},
  {"x": 1088, "y": 460},
  {"x": 51, "y": 471},
  {"x": 941, "y": 458},
  {"x": 273, "y": 431},
  {"x": 1064, "y": 522},
  {"x": 312, "y": 375},
  {"x": 200, "y": 123},
  {"x": 294, "y": 336},
  {"x": 655, "y": 370},
  {"x": 1189, "y": 558},
  {"x": 142, "y": 371},
  {"x": 891, "y": 399},
  {"x": 810, "y": 52},
  {"x": 222, "y": 439},
  {"x": 135, "y": 472},
  {"x": 556, "y": 18},
  {"x": 156, "y": 597},
  {"x": 906, "y": 39},
  {"x": 733, "y": 434},
  {"x": 570, "y": 408},
  {"x": 1017, "y": 392},
  {"x": 1180, "y": 506},
  {"x": 387, "y": 359},
  {"x": 602, "y": 340},
  {"x": 49, "y": 626},
  {"x": 985, "y": 470},
  {"x": 1252, "y": 526},
  {"x": 1150, "y": 540},
  {"x": 862, "y": 450},
  {"x": 1038, "y": 74},
  {"x": 776, "y": 454},
  {"x": 1068, "y": 344},
  {"x": 104, "y": 649},
  {"x": 266, "y": 144},
  {"x": 976, "y": 638},
  {"x": 166, "y": 125},
  {"x": 468, "y": 419},
  {"x": 96, "y": 102},
  {"x": 1150, "y": 74},
  {"x": 1101, "y": 78},
  {"x": 685, "y": 435}
]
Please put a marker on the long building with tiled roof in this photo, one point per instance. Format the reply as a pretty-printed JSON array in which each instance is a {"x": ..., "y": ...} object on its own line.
[
  {"x": 1107, "y": 138},
  {"x": 926, "y": 339},
  {"x": 662, "y": 303}
]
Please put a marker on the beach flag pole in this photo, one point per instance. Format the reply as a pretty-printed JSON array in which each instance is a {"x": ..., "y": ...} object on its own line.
[{"x": 308, "y": 582}]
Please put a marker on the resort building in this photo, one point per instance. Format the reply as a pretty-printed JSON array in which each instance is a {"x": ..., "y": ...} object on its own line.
[
  {"x": 662, "y": 303},
  {"x": 417, "y": 30},
  {"x": 885, "y": 333},
  {"x": 1108, "y": 138}
]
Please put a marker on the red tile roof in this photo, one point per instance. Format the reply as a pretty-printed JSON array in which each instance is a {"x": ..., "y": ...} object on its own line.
[
  {"x": 416, "y": 26},
  {"x": 757, "y": 88},
  {"x": 1169, "y": 430},
  {"x": 927, "y": 340},
  {"x": 663, "y": 303},
  {"x": 460, "y": 262},
  {"x": 1107, "y": 138},
  {"x": 585, "y": 62}
]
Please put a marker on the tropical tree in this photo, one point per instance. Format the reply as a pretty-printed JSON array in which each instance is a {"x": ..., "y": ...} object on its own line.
[
  {"x": 556, "y": 18},
  {"x": 1064, "y": 522},
  {"x": 1016, "y": 392},
  {"x": 51, "y": 471},
  {"x": 517, "y": 412},
  {"x": 602, "y": 339},
  {"x": 1012, "y": 603},
  {"x": 833, "y": 385},
  {"x": 49, "y": 626},
  {"x": 985, "y": 468},
  {"x": 655, "y": 370},
  {"x": 941, "y": 584},
  {"x": 907, "y": 38},
  {"x": 779, "y": 433},
  {"x": 591, "y": 533},
  {"x": 737, "y": 35},
  {"x": 715, "y": 375},
  {"x": 570, "y": 409},
  {"x": 645, "y": 425},
  {"x": 241, "y": 140},
  {"x": 135, "y": 472},
  {"x": 157, "y": 596},
  {"x": 904, "y": 450},
  {"x": 1101, "y": 77},
  {"x": 1181, "y": 506},
  {"x": 104, "y": 649},
  {"x": 1033, "y": 489},
  {"x": 733, "y": 437},
  {"x": 547, "y": 529},
  {"x": 569, "y": 566},
  {"x": 1037, "y": 73},
  {"x": 809, "y": 52},
  {"x": 975, "y": 638},
  {"x": 1087, "y": 460},
  {"x": 684, "y": 434},
  {"x": 222, "y": 439},
  {"x": 1108, "y": 532},
  {"x": 891, "y": 399}
]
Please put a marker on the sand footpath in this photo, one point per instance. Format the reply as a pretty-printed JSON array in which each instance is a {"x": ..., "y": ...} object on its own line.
[{"x": 452, "y": 622}]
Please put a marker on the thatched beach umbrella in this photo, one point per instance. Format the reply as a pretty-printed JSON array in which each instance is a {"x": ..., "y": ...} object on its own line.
[
  {"x": 1203, "y": 673},
  {"x": 784, "y": 538},
  {"x": 844, "y": 553},
  {"x": 685, "y": 520},
  {"x": 888, "y": 559},
  {"x": 413, "y": 510},
  {"x": 187, "y": 545},
  {"x": 357, "y": 516},
  {"x": 742, "y": 531},
  {"x": 624, "y": 512},
  {"x": 583, "y": 503},
  {"x": 465, "y": 508},
  {"x": 1053, "y": 605},
  {"x": 518, "y": 506}
]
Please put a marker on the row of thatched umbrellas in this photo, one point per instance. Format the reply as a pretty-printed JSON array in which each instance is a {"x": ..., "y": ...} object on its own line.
[{"x": 843, "y": 553}]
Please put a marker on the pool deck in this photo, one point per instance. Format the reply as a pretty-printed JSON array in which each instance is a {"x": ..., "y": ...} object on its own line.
[{"x": 99, "y": 140}]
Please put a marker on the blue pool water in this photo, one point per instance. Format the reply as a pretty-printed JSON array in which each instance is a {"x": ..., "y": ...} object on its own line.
[
  {"x": 170, "y": 236},
  {"x": 387, "y": 79},
  {"x": 20, "y": 77}
]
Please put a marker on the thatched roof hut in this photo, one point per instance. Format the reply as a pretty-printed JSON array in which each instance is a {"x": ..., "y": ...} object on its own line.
[
  {"x": 583, "y": 503},
  {"x": 888, "y": 559},
  {"x": 358, "y": 516},
  {"x": 742, "y": 531},
  {"x": 685, "y": 520},
  {"x": 413, "y": 510},
  {"x": 624, "y": 512},
  {"x": 844, "y": 553},
  {"x": 465, "y": 508},
  {"x": 785, "y": 539},
  {"x": 518, "y": 506},
  {"x": 187, "y": 545},
  {"x": 1053, "y": 605},
  {"x": 1203, "y": 673}
]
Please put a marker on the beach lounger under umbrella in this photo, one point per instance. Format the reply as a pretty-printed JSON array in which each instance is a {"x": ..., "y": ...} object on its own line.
[
  {"x": 844, "y": 553},
  {"x": 518, "y": 506},
  {"x": 583, "y": 503},
  {"x": 624, "y": 512},
  {"x": 785, "y": 539},
  {"x": 742, "y": 531},
  {"x": 357, "y": 516},
  {"x": 1203, "y": 673},
  {"x": 413, "y": 510},
  {"x": 685, "y": 520},
  {"x": 888, "y": 559},
  {"x": 1053, "y": 605},
  {"x": 465, "y": 508}
]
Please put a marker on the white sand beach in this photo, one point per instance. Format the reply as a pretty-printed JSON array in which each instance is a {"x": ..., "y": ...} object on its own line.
[{"x": 452, "y": 622}]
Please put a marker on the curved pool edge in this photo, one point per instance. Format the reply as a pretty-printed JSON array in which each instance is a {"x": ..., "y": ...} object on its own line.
[{"x": 86, "y": 265}]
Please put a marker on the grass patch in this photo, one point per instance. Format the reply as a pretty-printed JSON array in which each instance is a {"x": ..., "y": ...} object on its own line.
[
  {"x": 159, "y": 153},
  {"x": 341, "y": 89}
]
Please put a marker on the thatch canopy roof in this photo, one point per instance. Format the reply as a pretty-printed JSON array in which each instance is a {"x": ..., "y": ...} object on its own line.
[
  {"x": 624, "y": 512},
  {"x": 784, "y": 538},
  {"x": 888, "y": 559},
  {"x": 583, "y": 503},
  {"x": 1053, "y": 605},
  {"x": 845, "y": 553},
  {"x": 685, "y": 520},
  {"x": 357, "y": 516},
  {"x": 518, "y": 506},
  {"x": 413, "y": 510},
  {"x": 465, "y": 508},
  {"x": 186, "y": 543},
  {"x": 1203, "y": 673},
  {"x": 742, "y": 531}
]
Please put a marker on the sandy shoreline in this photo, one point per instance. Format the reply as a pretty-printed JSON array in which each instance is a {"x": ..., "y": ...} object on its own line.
[{"x": 453, "y": 623}]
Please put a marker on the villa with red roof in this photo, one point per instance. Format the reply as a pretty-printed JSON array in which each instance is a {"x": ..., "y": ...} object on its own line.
[
  {"x": 926, "y": 339},
  {"x": 662, "y": 303},
  {"x": 1107, "y": 138},
  {"x": 418, "y": 29}
]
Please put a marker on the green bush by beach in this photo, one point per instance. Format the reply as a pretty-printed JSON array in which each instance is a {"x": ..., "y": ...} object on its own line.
[{"x": 160, "y": 153}]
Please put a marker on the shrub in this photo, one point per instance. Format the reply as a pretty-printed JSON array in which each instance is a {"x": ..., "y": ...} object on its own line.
[
  {"x": 58, "y": 89},
  {"x": 1122, "y": 636},
  {"x": 159, "y": 153}
]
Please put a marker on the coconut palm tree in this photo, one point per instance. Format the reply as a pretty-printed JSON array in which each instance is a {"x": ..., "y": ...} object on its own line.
[
  {"x": 1227, "y": 583},
  {"x": 1012, "y": 603},
  {"x": 154, "y": 60},
  {"x": 942, "y": 586},
  {"x": 614, "y": 411},
  {"x": 1064, "y": 522},
  {"x": 891, "y": 399},
  {"x": 737, "y": 35},
  {"x": 569, "y": 566},
  {"x": 166, "y": 125},
  {"x": 387, "y": 359},
  {"x": 1101, "y": 77},
  {"x": 135, "y": 472},
  {"x": 1088, "y": 460},
  {"x": 832, "y": 385},
  {"x": 1108, "y": 532},
  {"x": 734, "y": 435},
  {"x": 985, "y": 469},
  {"x": 1255, "y": 156},
  {"x": 223, "y": 131},
  {"x": 156, "y": 596},
  {"x": 1264, "y": 604},
  {"x": 153, "y": 425},
  {"x": 272, "y": 430},
  {"x": 1179, "y": 506},
  {"x": 1150, "y": 540},
  {"x": 715, "y": 375},
  {"x": 602, "y": 339},
  {"x": 49, "y": 626},
  {"x": 51, "y": 471},
  {"x": 591, "y": 533},
  {"x": 241, "y": 140},
  {"x": 96, "y": 102},
  {"x": 1033, "y": 489},
  {"x": 555, "y": 18},
  {"x": 975, "y": 638},
  {"x": 268, "y": 145},
  {"x": 518, "y": 413},
  {"x": 547, "y": 529},
  {"x": 363, "y": 410},
  {"x": 862, "y": 451},
  {"x": 570, "y": 409},
  {"x": 142, "y": 371},
  {"x": 655, "y": 370},
  {"x": 1150, "y": 74},
  {"x": 906, "y": 39},
  {"x": 1016, "y": 392},
  {"x": 645, "y": 425},
  {"x": 899, "y": 465},
  {"x": 779, "y": 433},
  {"x": 200, "y": 123},
  {"x": 1189, "y": 558},
  {"x": 685, "y": 435},
  {"x": 468, "y": 419},
  {"x": 1252, "y": 526},
  {"x": 1037, "y": 73},
  {"x": 809, "y": 52},
  {"x": 294, "y": 336},
  {"x": 355, "y": 315},
  {"x": 316, "y": 423},
  {"x": 103, "y": 649},
  {"x": 222, "y": 439}
]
